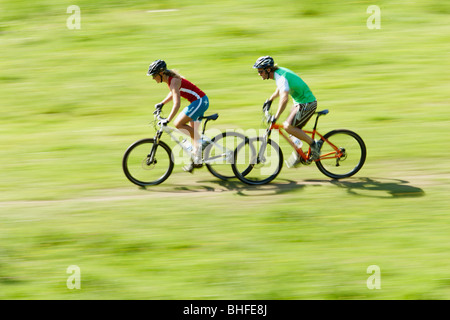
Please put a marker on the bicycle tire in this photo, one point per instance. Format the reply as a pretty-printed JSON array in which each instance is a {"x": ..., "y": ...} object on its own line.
[
  {"x": 255, "y": 167},
  {"x": 136, "y": 168},
  {"x": 345, "y": 140},
  {"x": 217, "y": 160}
]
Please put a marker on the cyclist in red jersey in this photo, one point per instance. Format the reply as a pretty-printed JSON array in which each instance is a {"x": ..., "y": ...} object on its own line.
[{"x": 199, "y": 103}]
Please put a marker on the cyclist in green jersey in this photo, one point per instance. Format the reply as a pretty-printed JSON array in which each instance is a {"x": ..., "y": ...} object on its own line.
[{"x": 305, "y": 103}]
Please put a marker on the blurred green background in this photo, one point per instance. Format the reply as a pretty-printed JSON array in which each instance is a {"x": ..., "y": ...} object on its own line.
[{"x": 72, "y": 101}]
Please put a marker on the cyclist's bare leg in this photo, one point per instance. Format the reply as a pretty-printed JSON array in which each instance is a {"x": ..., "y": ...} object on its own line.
[
  {"x": 181, "y": 124},
  {"x": 196, "y": 138},
  {"x": 191, "y": 130},
  {"x": 297, "y": 132}
]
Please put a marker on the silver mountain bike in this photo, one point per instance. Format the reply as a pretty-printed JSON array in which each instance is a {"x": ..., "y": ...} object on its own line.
[{"x": 150, "y": 161}]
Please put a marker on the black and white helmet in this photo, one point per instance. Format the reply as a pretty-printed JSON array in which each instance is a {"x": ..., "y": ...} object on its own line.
[
  {"x": 264, "y": 62},
  {"x": 156, "y": 67}
]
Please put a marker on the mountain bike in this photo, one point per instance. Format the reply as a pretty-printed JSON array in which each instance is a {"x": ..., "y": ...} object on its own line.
[
  {"x": 259, "y": 160},
  {"x": 150, "y": 161}
]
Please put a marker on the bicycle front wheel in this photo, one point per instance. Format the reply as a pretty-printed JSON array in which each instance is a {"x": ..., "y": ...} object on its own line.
[
  {"x": 219, "y": 154},
  {"x": 146, "y": 163},
  {"x": 257, "y": 161},
  {"x": 343, "y": 154}
]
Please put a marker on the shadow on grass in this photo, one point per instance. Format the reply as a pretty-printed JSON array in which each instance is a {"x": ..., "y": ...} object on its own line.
[
  {"x": 377, "y": 187},
  {"x": 217, "y": 186},
  {"x": 364, "y": 187},
  {"x": 277, "y": 187}
]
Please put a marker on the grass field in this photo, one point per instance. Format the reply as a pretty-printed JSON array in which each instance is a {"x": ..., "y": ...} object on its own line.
[{"x": 72, "y": 101}]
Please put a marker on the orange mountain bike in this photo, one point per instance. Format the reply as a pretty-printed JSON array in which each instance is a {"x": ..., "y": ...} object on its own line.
[{"x": 342, "y": 153}]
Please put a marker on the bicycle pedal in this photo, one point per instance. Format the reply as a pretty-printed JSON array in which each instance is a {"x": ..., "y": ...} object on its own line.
[{"x": 306, "y": 162}]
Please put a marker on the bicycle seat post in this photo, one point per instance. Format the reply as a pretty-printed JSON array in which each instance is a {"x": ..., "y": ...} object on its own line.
[
  {"x": 315, "y": 123},
  {"x": 319, "y": 113},
  {"x": 204, "y": 126},
  {"x": 207, "y": 118}
]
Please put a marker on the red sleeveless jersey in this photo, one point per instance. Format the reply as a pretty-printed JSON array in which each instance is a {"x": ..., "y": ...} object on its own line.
[{"x": 188, "y": 90}]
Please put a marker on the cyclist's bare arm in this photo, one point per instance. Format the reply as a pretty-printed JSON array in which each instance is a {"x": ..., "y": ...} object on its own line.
[
  {"x": 274, "y": 95},
  {"x": 175, "y": 96},
  {"x": 168, "y": 98},
  {"x": 284, "y": 98}
]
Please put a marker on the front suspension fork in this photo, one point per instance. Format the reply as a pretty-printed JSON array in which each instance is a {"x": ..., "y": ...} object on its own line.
[
  {"x": 151, "y": 155},
  {"x": 266, "y": 136}
]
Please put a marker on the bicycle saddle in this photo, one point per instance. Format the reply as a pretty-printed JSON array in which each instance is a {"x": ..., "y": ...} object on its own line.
[
  {"x": 211, "y": 117},
  {"x": 323, "y": 112}
]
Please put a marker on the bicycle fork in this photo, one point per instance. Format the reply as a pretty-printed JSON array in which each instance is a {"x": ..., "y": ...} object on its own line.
[
  {"x": 260, "y": 157},
  {"x": 151, "y": 156}
]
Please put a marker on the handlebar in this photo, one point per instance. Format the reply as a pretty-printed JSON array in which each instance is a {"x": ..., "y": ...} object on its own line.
[
  {"x": 267, "y": 114},
  {"x": 157, "y": 114}
]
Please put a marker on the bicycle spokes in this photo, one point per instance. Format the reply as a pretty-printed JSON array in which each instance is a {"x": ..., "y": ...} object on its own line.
[
  {"x": 143, "y": 168},
  {"x": 342, "y": 154},
  {"x": 257, "y": 161},
  {"x": 219, "y": 154}
]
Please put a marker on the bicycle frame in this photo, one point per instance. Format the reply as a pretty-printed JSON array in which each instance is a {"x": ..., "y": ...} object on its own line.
[
  {"x": 305, "y": 156},
  {"x": 170, "y": 131}
]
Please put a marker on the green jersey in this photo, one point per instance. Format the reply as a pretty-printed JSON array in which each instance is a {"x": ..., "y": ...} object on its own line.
[{"x": 287, "y": 80}]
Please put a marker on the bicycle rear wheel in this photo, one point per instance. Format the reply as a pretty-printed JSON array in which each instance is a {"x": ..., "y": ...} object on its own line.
[
  {"x": 342, "y": 154},
  {"x": 219, "y": 154},
  {"x": 257, "y": 162},
  {"x": 139, "y": 168}
]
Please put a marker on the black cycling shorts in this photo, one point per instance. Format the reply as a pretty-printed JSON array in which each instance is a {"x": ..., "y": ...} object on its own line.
[{"x": 301, "y": 113}]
